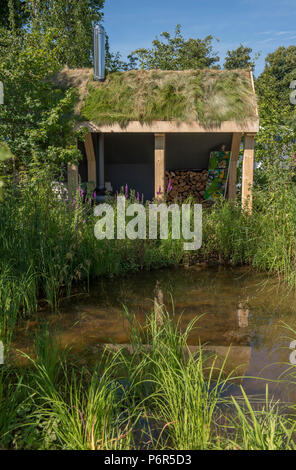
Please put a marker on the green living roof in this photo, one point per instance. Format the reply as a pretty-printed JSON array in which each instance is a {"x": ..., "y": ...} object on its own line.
[{"x": 207, "y": 96}]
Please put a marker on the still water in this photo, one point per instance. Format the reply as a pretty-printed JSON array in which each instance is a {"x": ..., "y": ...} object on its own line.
[{"x": 237, "y": 308}]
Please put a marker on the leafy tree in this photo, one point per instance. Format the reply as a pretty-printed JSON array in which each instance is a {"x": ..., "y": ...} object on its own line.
[
  {"x": 36, "y": 117},
  {"x": 279, "y": 71},
  {"x": 72, "y": 22},
  {"x": 276, "y": 140},
  {"x": 175, "y": 53},
  {"x": 13, "y": 12},
  {"x": 240, "y": 58}
]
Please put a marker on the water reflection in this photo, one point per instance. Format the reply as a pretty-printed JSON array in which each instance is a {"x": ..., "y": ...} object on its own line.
[
  {"x": 236, "y": 307},
  {"x": 242, "y": 316}
]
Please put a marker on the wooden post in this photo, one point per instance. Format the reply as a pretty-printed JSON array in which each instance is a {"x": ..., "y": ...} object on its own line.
[
  {"x": 248, "y": 172},
  {"x": 235, "y": 148},
  {"x": 91, "y": 159},
  {"x": 159, "y": 166},
  {"x": 73, "y": 180}
]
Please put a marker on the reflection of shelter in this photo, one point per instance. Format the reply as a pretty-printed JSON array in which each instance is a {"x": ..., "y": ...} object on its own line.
[
  {"x": 243, "y": 316},
  {"x": 158, "y": 304}
]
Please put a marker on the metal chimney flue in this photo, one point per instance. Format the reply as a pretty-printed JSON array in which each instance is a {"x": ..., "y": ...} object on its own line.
[{"x": 99, "y": 53}]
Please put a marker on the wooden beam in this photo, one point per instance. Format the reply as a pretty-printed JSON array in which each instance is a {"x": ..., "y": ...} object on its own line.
[
  {"x": 91, "y": 159},
  {"x": 248, "y": 172},
  {"x": 235, "y": 148},
  {"x": 159, "y": 166},
  {"x": 73, "y": 180},
  {"x": 166, "y": 127}
]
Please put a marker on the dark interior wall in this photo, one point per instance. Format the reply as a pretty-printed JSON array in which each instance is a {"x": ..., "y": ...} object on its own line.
[
  {"x": 192, "y": 151},
  {"x": 129, "y": 159},
  {"x": 82, "y": 167}
]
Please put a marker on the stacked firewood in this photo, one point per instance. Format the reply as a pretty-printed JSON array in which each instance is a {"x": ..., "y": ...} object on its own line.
[{"x": 182, "y": 183}]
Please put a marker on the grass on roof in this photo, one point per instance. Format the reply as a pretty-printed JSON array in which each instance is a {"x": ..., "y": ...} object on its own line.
[{"x": 207, "y": 96}]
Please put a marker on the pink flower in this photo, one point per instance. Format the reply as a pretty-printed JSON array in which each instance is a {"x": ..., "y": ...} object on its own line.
[{"x": 170, "y": 187}]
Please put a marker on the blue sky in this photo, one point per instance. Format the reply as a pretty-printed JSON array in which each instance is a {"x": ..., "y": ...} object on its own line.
[{"x": 263, "y": 25}]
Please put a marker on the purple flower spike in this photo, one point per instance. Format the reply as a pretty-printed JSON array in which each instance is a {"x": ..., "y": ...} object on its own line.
[
  {"x": 81, "y": 193},
  {"x": 126, "y": 191},
  {"x": 138, "y": 196},
  {"x": 95, "y": 195},
  {"x": 159, "y": 191},
  {"x": 74, "y": 202}
]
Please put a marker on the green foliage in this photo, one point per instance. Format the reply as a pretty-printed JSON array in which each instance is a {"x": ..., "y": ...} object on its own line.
[
  {"x": 275, "y": 142},
  {"x": 260, "y": 429},
  {"x": 12, "y": 398},
  {"x": 72, "y": 22},
  {"x": 155, "y": 395},
  {"x": 36, "y": 117},
  {"x": 5, "y": 154},
  {"x": 176, "y": 53},
  {"x": 279, "y": 71},
  {"x": 240, "y": 58},
  {"x": 47, "y": 245},
  {"x": 13, "y": 13},
  {"x": 209, "y": 96},
  {"x": 225, "y": 234}
]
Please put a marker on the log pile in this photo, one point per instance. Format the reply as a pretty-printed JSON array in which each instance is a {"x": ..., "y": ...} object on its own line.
[{"x": 185, "y": 183}]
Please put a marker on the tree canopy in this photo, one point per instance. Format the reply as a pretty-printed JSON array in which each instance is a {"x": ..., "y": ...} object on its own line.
[
  {"x": 279, "y": 71},
  {"x": 13, "y": 12},
  {"x": 72, "y": 22},
  {"x": 176, "y": 53},
  {"x": 39, "y": 37},
  {"x": 240, "y": 58},
  {"x": 35, "y": 118}
]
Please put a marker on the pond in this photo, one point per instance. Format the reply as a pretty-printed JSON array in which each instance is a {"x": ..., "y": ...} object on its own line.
[{"x": 237, "y": 307}]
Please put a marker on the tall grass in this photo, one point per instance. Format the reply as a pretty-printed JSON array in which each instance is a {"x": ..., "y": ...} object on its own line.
[
  {"x": 265, "y": 240},
  {"x": 48, "y": 247},
  {"x": 82, "y": 406},
  {"x": 264, "y": 428},
  {"x": 12, "y": 398},
  {"x": 179, "y": 398}
]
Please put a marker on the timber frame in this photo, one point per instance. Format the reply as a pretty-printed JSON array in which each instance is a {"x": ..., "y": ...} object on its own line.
[
  {"x": 194, "y": 119},
  {"x": 160, "y": 130}
]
